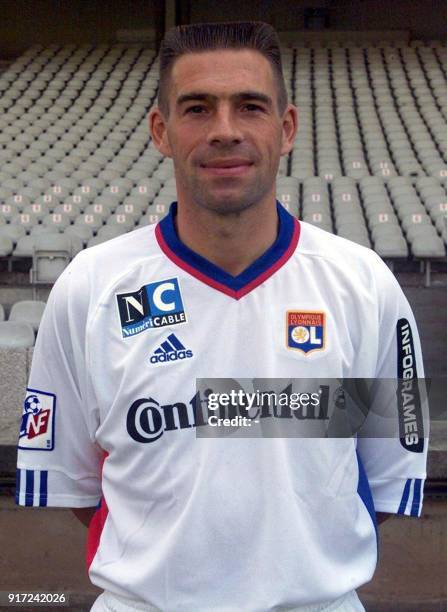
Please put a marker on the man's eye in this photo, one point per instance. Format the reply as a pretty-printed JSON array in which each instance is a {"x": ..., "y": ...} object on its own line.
[
  {"x": 253, "y": 107},
  {"x": 195, "y": 110}
]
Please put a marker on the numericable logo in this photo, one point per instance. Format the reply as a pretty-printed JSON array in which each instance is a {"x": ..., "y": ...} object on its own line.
[
  {"x": 156, "y": 304},
  {"x": 170, "y": 350}
]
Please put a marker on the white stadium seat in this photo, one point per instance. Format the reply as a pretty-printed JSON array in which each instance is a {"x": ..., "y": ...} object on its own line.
[{"x": 16, "y": 335}]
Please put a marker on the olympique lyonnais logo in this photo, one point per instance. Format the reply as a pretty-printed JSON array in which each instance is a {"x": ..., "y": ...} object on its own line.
[
  {"x": 37, "y": 425},
  {"x": 305, "y": 330},
  {"x": 157, "y": 304}
]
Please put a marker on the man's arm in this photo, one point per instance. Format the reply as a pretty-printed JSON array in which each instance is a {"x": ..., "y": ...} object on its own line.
[
  {"x": 85, "y": 515},
  {"x": 58, "y": 461},
  {"x": 395, "y": 461}
]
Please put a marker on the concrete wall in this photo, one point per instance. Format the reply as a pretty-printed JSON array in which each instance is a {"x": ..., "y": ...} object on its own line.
[
  {"x": 14, "y": 370},
  {"x": 425, "y": 18},
  {"x": 24, "y": 23}
]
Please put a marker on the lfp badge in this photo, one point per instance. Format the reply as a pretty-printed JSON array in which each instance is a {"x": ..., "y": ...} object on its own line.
[{"x": 306, "y": 330}]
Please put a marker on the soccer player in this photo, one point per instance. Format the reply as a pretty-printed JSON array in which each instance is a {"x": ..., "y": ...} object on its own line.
[{"x": 227, "y": 286}]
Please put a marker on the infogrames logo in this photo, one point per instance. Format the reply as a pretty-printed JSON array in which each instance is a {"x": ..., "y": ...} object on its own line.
[{"x": 156, "y": 305}]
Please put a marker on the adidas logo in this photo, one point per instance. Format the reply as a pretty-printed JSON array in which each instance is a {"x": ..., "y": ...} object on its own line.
[{"x": 170, "y": 350}]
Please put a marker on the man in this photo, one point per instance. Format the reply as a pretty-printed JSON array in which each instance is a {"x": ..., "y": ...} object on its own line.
[{"x": 228, "y": 285}]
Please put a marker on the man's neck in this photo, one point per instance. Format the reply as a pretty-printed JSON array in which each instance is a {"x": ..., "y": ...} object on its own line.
[{"x": 231, "y": 242}]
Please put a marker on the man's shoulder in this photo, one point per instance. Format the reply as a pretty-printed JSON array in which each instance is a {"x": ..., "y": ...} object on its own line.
[
  {"x": 122, "y": 248},
  {"x": 117, "y": 254},
  {"x": 317, "y": 242},
  {"x": 102, "y": 265}
]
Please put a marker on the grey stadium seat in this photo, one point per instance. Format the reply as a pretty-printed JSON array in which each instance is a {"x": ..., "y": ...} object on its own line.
[
  {"x": 82, "y": 232},
  {"x": 52, "y": 253},
  {"x": 6, "y": 246},
  {"x": 391, "y": 246},
  {"x": 27, "y": 311},
  {"x": 25, "y": 246},
  {"x": 423, "y": 246},
  {"x": 14, "y": 232},
  {"x": 16, "y": 335}
]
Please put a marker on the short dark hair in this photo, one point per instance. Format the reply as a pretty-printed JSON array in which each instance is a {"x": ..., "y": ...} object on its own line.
[{"x": 201, "y": 37}]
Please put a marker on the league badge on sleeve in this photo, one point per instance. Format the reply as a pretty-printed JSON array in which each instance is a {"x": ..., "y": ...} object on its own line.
[
  {"x": 305, "y": 330},
  {"x": 37, "y": 425}
]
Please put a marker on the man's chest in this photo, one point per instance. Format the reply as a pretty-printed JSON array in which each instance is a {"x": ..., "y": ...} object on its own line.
[{"x": 154, "y": 337}]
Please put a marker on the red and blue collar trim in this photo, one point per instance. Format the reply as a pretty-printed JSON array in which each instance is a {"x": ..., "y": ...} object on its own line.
[{"x": 207, "y": 272}]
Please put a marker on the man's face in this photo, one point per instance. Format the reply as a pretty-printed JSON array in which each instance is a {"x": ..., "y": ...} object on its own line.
[{"x": 224, "y": 131}]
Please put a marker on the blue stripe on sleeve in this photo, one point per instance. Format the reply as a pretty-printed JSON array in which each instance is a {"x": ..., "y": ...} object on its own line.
[
  {"x": 43, "y": 488},
  {"x": 29, "y": 494},
  {"x": 416, "y": 497},
  {"x": 404, "y": 500},
  {"x": 18, "y": 475}
]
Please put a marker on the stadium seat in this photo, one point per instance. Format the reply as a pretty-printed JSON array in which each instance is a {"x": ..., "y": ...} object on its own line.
[
  {"x": 6, "y": 246},
  {"x": 82, "y": 232},
  {"x": 27, "y": 311},
  {"x": 8, "y": 211},
  {"x": 106, "y": 232},
  {"x": 51, "y": 255},
  {"x": 14, "y": 232},
  {"x": 91, "y": 220},
  {"x": 391, "y": 246},
  {"x": 25, "y": 246},
  {"x": 56, "y": 220},
  {"x": 126, "y": 220},
  {"x": 16, "y": 335}
]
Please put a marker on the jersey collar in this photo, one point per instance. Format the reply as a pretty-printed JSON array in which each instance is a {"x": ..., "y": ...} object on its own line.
[{"x": 207, "y": 272}]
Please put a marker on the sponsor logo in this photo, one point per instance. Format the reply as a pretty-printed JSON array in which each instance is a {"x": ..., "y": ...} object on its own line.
[
  {"x": 147, "y": 420},
  {"x": 170, "y": 350},
  {"x": 411, "y": 426},
  {"x": 305, "y": 330},
  {"x": 37, "y": 425},
  {"x": 157, "y": 304}
]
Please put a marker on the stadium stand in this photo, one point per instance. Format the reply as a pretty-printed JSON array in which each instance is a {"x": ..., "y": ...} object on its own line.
[{"x": 369, "y": 163}]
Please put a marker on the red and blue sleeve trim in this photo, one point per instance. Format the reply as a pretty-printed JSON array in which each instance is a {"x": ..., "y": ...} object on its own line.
[{"x": 207, "y": 272}]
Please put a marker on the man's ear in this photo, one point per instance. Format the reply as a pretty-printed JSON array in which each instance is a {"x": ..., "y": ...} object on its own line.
[
  {"x": 289, "y": 128},
  {"x": 158, "y": 131}
]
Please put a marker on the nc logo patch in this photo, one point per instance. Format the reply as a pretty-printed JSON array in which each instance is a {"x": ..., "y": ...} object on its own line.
[
  {"x": 37, "y": 425},
  {"x": 154, "y": 305},
  {"x": 305, "y": 330}
]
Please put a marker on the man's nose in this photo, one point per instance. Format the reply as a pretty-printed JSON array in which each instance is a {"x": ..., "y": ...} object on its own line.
[{"x": 224, "y": 128}]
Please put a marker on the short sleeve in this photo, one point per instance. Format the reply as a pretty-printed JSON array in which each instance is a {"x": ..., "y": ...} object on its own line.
[
  {"x": 396, "y": 465},
  {"x": 58, "y": 460}
]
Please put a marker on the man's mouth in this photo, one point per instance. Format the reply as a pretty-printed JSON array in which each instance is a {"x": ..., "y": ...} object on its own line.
[{"x": 227, "y": 166}]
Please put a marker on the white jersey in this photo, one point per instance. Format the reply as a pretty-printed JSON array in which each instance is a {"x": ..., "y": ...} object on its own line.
[{"x": 112, "y": 418}]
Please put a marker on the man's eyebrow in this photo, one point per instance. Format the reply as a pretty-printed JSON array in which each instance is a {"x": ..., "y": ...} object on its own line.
[{"x": 241, "y": 95}]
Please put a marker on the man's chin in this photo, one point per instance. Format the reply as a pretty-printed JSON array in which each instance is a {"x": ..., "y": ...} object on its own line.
[{"x": 226, "y": 205}]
